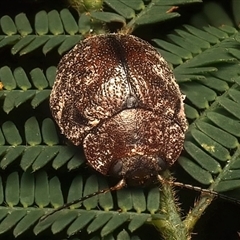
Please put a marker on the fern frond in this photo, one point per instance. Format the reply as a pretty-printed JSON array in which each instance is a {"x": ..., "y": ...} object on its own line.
[
  {"x": 211, "y": 64},
  {"x": 55, "y": 28},
  {"x": 40, "y": 146},
  {"x": 18, "y": 78},
  {"x": 23, "y": 191}
]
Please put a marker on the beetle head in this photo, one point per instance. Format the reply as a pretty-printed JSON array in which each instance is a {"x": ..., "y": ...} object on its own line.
[{"x": 138, "y": 170}]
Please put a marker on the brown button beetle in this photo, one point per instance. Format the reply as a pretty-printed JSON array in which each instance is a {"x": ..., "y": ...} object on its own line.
[{"x": 116, "y": 95}]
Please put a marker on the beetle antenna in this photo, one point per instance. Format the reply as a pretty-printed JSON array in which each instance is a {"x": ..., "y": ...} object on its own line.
[
  {"x": 118, "y": 186},
  {"x": 198, "y": 189}
]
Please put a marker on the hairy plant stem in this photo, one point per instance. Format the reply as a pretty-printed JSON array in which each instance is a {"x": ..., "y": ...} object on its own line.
[
  {"x": 197, "y": 211},
  {"x": 172, "y": 227}
]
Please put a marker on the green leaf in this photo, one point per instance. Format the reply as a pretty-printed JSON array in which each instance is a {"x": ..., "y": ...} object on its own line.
[
  {"x": 8, "y": 26},
  {"x": 9, "y": 40},
  {"x": 139, "y": 201},
  {"x": 123, "y": 235},
  {"x": 211, "y": 83},
  {"x": 218, "y": 135},
  {"x": 201, "y": 175},
  {"x": 153, "y": 200},
  {"x": 64, "y": 221},
  {"x": 121, "y": 8},
  {"x": 90, "y": 187},
  {"x": 191, "y": 112},
  {"x": 23, "y": 42},
  {"x": 29, "y": 156},
  {"x": 156, "y": 14},
  {"x": 7, "y": 78},
  {"x": 136, "y": 5},
  {"x": 64, "y": 155},
  {"x": 11, "y": 220},
  {"x": 100, "y": 220},
  {"x": 41, "y": 189},
  {"x": 38, "y": 78},
  {"x": 213, "y": 11},
  {"x": 77, "y": 183},
  {"x": 68, "y": 44},
  {"x": 175, "y": 2},
  {"x": 232, "y": 174},
  {"x": 49, "y": 133},
  {"x": 204, "y": 160},
  {"x": 210, "y": 146},
  {"x": 124, "y": 199},
  {"x": 32, "y": 132},
  {"x": 33, "y": 45},
  {"x": 85, "y": 23},
  {"x": 230, "y": 106},
  {"x": 55, "y": 23},
  {"x": 216, "y": 32},
  {"x": 12, "y": 190},
  {"x": 170, "y": 57},
  {"x": 202, "y": 44},
  {"x": 202, "y": 34},
  {"x": 69, "y": 22},
  {"x": 3, "y": 213},
  {"x": 11, "y": 133},
  {"x": 29, "y": 220},
  {"x": 27, "y": 189},
  {"x": 11, "y": 155},
  {"x": 226, "y": 123},
  {"x": 107, "y": 17},
  {"x": 40, "y": 97},
  {"x": 235, "y": 10},
  {"x": 181, "y": 52},
  {"x": 56, "y": 197},
  {"x": 46, "y": 223},
  {"x": 2, "y": 139},
  {"x": 194, "y": 90},
  {"x": 227, "y": 185},
  {"x": 21, "y": 78},
  {"x": 75, "y": 162},
  {"x": 180, "y": 41},
  {"x": 45, "y": 156},
  {"x": 83, "y": 219},
  {"x": 105, "y": 200},
  {"x": 23, "y": 25},
  {"x": 41, "y": 23},
  {"x": 137, "y": 221},
  {"x": 9, "y": 101},
  {"x": 53, "y": 42},
  {"x": 51, "y": 75},
  {"x": 113, "y": 223}
]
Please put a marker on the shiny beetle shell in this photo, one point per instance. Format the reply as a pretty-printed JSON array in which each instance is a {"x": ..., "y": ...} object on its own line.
[{"x": 116, "y": 95}]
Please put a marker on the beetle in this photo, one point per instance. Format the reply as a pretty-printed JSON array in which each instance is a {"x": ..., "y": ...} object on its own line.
[{"x": 116, "y": 95}]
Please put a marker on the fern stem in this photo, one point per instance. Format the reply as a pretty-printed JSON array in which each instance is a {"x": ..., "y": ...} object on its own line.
[
  {"x": 205, "y": 200},
  {"x": 197, "y": 211},
  {"x": 172, "y": 227},
  {"x": 128, "y": 29}
]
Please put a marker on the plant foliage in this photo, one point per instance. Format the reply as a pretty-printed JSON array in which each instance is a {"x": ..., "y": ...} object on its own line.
[{"x": 40, "y": 170}]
